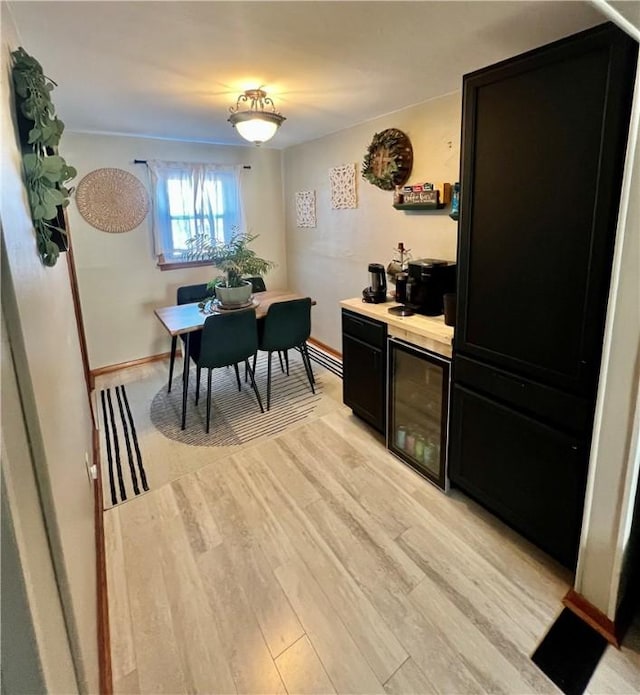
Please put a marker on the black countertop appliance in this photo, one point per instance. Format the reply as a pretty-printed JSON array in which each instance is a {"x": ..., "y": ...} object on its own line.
[
  {"x": 376, "y": 293},
  {"x": 429, "y": 280}
]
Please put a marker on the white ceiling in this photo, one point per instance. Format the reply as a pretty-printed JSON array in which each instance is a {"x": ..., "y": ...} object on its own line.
[{"x": 173, "y": 69}]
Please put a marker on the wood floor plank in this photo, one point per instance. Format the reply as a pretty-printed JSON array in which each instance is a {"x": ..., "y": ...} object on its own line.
[
  {"x": 344, "y": 663},
  {"x": 373, "y": 637},
  {"x": 471, "y": 646},
  {"x": 243, "y": 524},
  {"x": 157, "y": 655},
  {"x": 246, "y": 651},
  {"x": 362, "y": 560},
  {"x": 278, "y": 621},
  {"x": 305, "y": 451},
  {"x": 509, "y": 616},
  {"x": 123, "y": 655},
  {"x": 298, "y": 487},
  {"x": 318, "y": 562},
  {"x": 367, "y": 486},
  {"x": 198, "y": 640},
  {"x": 201, "y": 527},
  {"x": 302, "y": 671},
  {"x": 417, "y": 636},
  {"x": 618, "y": 672},
  {"x": 353, "y": 430},
  {"x": 506, "y": 550},
  {"x": 409, "y": 680}
]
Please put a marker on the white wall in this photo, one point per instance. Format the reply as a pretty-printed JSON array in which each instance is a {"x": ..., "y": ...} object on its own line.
[
  {"x": 38, "y": 309},
  {"x": 36, "y": 654},
  {"x": 329, "y": 263},
  {"x": 615, "y": 452},
  {"x": 119, "y": 281}
]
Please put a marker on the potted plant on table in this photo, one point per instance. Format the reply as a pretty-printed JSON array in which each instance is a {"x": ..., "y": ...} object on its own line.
[{"x": 236, "y": 260}]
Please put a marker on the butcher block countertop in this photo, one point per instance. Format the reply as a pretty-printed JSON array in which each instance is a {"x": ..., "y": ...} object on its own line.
[{"x": 429, "y": 332}]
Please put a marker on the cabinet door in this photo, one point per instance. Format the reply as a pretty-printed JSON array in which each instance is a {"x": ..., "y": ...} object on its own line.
[
  {"x": 364, "y": 380},
  {"x": 544, "y": 139},
  {"x": 531, "y": 475}
]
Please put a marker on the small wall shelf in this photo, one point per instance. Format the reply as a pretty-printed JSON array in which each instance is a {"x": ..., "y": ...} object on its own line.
[{"x": 419, "y": 206}]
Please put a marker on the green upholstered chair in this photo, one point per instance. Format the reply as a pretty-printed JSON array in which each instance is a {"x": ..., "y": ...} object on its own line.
[
  {"x": 287, "y": 325},
  {"x": 257, "y": 284},
  {"x": 187, "y": 295},
  {"x": 227, "y": 339}
]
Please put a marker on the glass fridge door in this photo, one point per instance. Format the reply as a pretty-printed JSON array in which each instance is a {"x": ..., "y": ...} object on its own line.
[{"x": 418, "y": 409}]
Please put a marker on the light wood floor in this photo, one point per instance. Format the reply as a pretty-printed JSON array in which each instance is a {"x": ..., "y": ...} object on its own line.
[{"x": 318, "y": 563}]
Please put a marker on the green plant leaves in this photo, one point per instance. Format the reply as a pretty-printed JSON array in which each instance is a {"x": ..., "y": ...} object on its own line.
[
  {"x": 45, "y": 170},
  {"x": 234, "y": 258}
]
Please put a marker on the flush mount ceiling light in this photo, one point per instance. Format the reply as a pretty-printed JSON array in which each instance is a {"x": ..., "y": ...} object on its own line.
[{"x": 255, "y": 124}]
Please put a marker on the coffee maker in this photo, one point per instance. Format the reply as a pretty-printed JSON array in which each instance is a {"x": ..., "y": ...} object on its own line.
[
  {"x": 377, "y": 290},
  {"x": 429, "y": 280}
]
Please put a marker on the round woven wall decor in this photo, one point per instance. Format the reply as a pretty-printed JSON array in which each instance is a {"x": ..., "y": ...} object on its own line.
[{"x": 112, "y": 200}]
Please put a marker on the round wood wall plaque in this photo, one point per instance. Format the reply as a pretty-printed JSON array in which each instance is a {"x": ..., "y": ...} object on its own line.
[{"x": 112, "y": 200}]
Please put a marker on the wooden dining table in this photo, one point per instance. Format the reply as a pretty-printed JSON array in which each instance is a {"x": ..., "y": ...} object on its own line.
[{"x": 184, "y": 319}]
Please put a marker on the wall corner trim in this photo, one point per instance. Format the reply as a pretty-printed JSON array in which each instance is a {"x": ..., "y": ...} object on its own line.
[{"x": 594, "y": 617}]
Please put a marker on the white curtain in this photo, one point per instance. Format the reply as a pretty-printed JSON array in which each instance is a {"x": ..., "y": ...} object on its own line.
[{"x": 194, "y": 198}]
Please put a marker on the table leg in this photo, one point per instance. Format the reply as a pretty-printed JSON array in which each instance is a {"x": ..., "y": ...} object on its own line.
[{"x": 185, "y": 379}]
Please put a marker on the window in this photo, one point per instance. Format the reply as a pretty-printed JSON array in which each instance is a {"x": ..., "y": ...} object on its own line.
[{"x": 190, "y": 199}]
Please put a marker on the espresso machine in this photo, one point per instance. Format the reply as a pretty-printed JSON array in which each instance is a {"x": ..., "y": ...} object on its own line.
[
  {"x": 376, "y": 293},
  {"x": 429, "y": 280}
]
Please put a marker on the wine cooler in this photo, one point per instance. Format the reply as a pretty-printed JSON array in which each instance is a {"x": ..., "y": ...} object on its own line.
[{"x": 418, "y": 409}]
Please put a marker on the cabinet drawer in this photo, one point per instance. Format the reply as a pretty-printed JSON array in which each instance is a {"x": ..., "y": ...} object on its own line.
[
  {"x": 556, "y": 407},
  {"x": 369, "y": 331}
]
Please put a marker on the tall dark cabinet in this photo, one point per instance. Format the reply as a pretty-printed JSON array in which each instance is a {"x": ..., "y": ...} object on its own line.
[{"x": 543, "y": 146}]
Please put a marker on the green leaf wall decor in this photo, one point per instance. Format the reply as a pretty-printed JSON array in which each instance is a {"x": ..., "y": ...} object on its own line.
[{"x": 45, "y": 171}]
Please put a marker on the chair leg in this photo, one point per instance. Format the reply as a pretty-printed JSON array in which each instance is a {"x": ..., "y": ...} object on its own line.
[
  {"x": 174, "y": 347},
  {"x": 306, "y": 352},
  {"x": 286, "y": 359},
  {"x": 253, "y": 384},
  {"x": 307, "y": 366},
  {"x": 235, "y": 366},
  {"x": 280, "y": 358},
  {"x": 197, "y": 383},
  {"x": 269, "y": 380},
  {"x": 208, "y": 399}
]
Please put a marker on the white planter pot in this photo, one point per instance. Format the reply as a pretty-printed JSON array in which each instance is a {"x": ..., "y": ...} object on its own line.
[{"x": 230, "y": 297}]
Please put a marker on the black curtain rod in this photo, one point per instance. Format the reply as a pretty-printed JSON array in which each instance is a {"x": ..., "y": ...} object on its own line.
[{"x": 144, "y": 161}]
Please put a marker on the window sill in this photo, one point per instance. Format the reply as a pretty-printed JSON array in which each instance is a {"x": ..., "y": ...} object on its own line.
[{"x": 179, "y": 265}]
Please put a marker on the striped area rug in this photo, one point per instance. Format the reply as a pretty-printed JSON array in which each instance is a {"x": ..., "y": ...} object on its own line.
[
  {"x": 325, "y": 359},
  {"x": 124, "y": 475},
  {"x": 235, "y": 415}
]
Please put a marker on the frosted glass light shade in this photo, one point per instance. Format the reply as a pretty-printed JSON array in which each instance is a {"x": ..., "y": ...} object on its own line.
[
  {"x": 257, "y": 129},
  {"x": 255, "y": 124}
]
